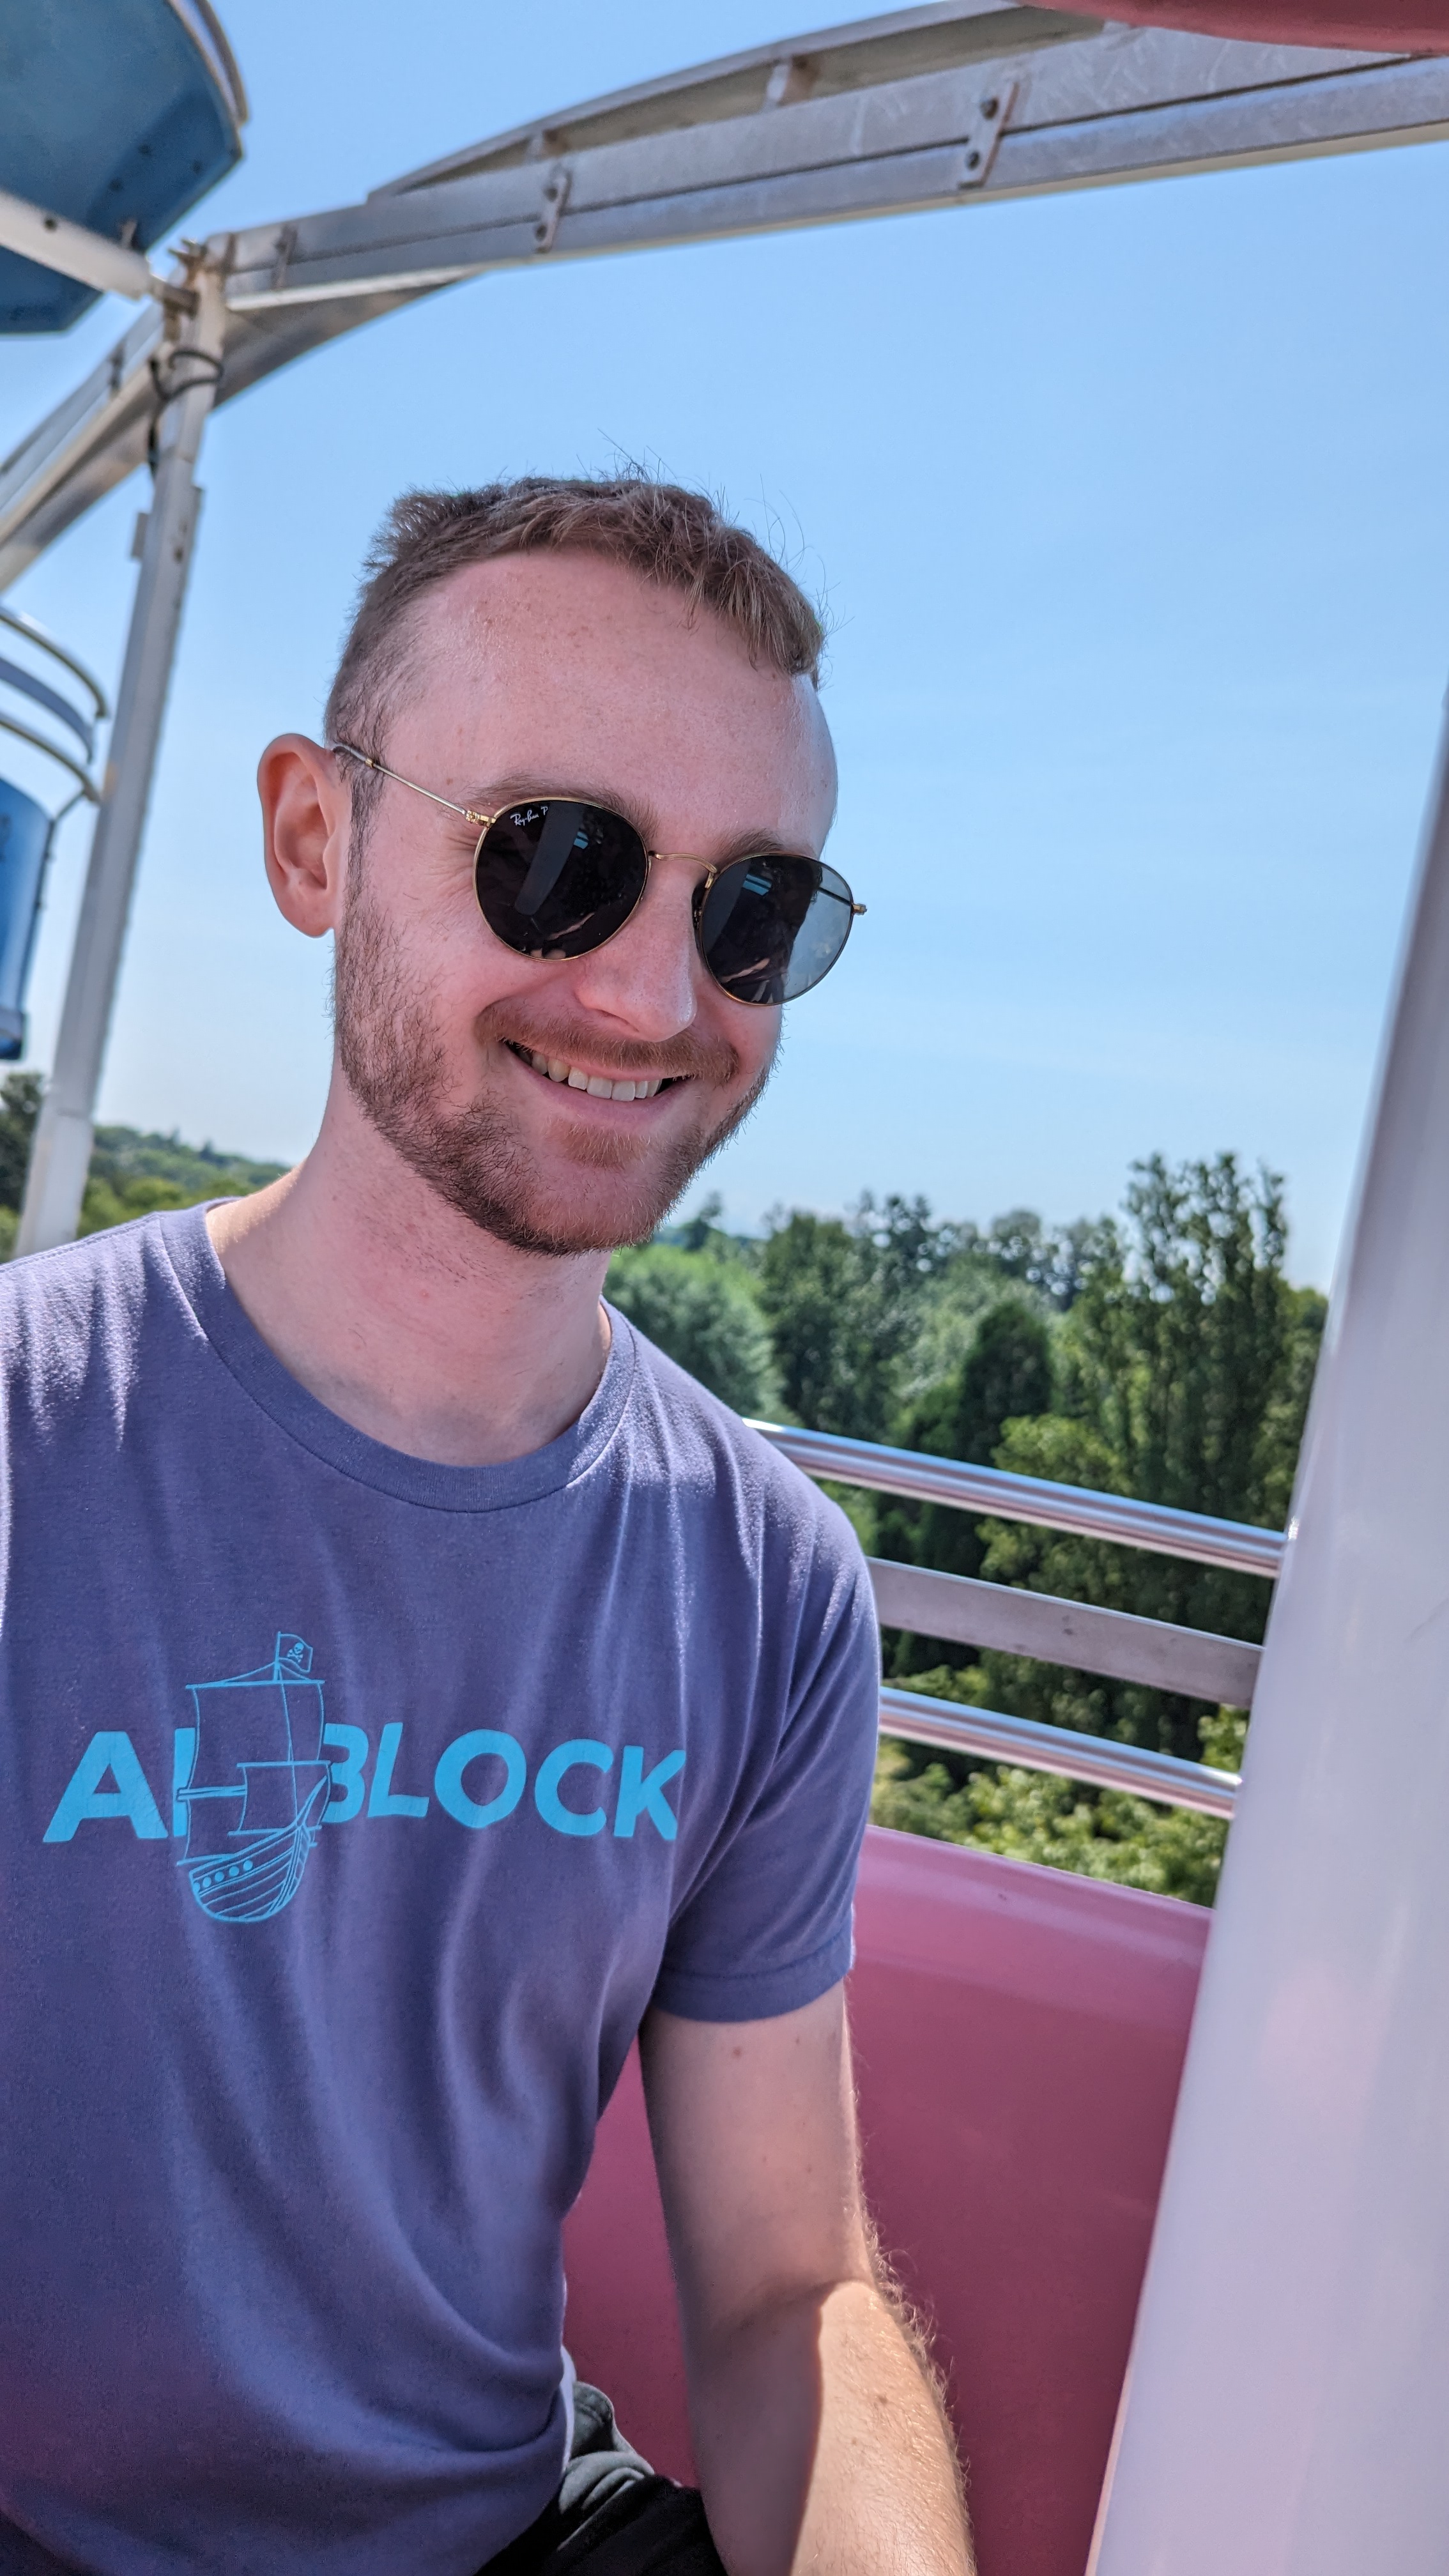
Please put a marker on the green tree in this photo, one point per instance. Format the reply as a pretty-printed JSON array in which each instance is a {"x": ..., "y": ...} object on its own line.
[
  {"x": 704, "y": 1313},
  {"x": 1055, "y": 1261},
  {"x": 128, "y": 1162},
  {"x": 1186, "y": 1364},
  {"x": 837, "y": 1336},
  {"x": 19, "y": 1109},
  {"x": 845, "y": 1300},
  {"x": 1006, "y": 1372},
  {"x": 1184, "y": 1369},
  {"x": 1032, "y": 1815},
  {"x": 130, "y": 1172},
  {"x": 1178, "y": 1349}
]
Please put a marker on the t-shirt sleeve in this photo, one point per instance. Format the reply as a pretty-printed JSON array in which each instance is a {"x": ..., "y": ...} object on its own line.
[{"x": 768, "y": 1926}]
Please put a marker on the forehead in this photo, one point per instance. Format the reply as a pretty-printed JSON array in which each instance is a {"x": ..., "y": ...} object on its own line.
[{"x": 566, "y": 667}]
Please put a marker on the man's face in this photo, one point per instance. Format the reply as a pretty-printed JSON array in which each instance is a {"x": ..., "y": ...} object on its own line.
[{"x": 565, "y": 674}]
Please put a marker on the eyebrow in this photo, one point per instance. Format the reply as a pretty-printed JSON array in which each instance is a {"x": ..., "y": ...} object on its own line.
[{"x": 519, "y": 790}]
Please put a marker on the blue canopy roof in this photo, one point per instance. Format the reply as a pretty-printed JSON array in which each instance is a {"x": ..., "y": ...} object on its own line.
[{"x": 117, "y": 113}]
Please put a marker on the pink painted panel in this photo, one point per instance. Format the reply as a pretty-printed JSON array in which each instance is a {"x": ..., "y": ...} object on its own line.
[
  {"x": 1372, "y": 26},
  {"x": 1020, "y": 2036}
]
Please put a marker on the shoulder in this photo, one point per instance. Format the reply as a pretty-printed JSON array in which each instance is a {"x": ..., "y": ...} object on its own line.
[
  {"x": 711, "y": 1459},
  {"x": 71, "y": 1317}
]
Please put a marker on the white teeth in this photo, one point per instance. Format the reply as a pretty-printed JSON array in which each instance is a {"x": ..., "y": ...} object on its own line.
[{"x": 599, "y": 1084}]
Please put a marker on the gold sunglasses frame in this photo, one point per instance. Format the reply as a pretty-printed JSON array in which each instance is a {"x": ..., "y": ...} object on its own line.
[{"x": 485, "y": 823}]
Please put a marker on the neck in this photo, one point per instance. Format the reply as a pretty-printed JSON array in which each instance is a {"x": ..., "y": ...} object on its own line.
[{"x": 401, "y": 1316}]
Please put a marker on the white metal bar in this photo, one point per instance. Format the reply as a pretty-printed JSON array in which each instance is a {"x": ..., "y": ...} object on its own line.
[
  {"x": 52, "y": 750},
  {"x": 1154, "y": 1652},
  {"x": 1194, "y": 1535},
  {"x": 825, "y": 63},
  {"x": 1285, "y": 2406},
  {"x": 673, "y": 166},
  {"x": 60, "y": 1155},
  {"x": 44, "y": 642},
  {"x": 28, "y": 684},
  {"x": 1068, "y": 1756},
  {"x": 54, "y": 242},
  {"x": 80, "y": 451},
  {"x": 1156, "y": 104},
  {"x": 209, "y": 35}
]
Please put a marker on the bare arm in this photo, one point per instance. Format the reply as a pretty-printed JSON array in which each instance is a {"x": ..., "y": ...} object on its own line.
[{"x": 820, "y": 2442}]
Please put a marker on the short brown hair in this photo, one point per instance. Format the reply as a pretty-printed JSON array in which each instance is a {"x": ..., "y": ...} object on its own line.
[{"x": 667, "y": 535}]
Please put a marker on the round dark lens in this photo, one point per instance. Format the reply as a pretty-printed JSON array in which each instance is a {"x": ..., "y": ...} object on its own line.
[
  {"x": 556, "y": 879},
  {"x": 770, "y": 928}
]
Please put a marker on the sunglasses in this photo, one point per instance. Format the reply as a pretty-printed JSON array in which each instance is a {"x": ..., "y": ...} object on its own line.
[{"x": 556, "y": 877}]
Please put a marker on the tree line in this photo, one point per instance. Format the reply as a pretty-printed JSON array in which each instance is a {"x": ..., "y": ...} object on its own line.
[{"x": 130, "y": 1172}]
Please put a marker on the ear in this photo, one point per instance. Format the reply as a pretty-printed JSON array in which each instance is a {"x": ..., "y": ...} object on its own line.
[{"x": 306, "y": 811}]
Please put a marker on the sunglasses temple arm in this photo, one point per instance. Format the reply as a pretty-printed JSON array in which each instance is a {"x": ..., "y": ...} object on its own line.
[{"x": 383, "y": 771}]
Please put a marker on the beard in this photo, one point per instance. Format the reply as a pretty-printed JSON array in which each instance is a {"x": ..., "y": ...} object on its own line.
[{"x": 613, "y": 1189}]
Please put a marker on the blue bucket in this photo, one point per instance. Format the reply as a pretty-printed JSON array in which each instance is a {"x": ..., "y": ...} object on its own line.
[{"x": 25, "y": 829}]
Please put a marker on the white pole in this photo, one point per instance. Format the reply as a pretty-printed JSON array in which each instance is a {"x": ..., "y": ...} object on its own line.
[
  {"x": 1284, "y": 2414},
  {"x": 39, "y": 235},
  {"x": 60, "y": 1155}
]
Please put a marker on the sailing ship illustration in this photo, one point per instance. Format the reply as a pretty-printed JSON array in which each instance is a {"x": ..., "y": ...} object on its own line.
[{"x": 257, "y": 1786}]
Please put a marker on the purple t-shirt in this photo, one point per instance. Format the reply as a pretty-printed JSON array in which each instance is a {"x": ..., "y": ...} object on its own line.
[{"x": 353, "y": 1810}]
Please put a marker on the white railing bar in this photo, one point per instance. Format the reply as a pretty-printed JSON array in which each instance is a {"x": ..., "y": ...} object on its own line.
[
  {"x": 1031, "y": 1498},
  {"x": 1058, "y": 1749},
  {"x": 52, "y": 751},
  {"x": 44, "y": 642},
  {"x": 1154, "y": 1652}
]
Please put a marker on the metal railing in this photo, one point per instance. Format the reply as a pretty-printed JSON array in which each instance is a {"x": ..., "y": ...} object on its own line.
[
  {"x": 1190, "y": 1661},
  {"x": 36, "y": 691},
  {"x": 1033, "y": 1747},
  {"x": 1235, "y": 1544}
]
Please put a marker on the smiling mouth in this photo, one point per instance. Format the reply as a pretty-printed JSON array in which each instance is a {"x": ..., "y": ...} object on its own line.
[{"x": 600, "y": 1086}]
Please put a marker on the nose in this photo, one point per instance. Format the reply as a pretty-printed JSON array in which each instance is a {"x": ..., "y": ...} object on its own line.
[{"x": 648, "y": 976}]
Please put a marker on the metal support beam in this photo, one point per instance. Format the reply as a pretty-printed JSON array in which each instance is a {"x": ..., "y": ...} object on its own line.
[
  {"x": 54, "y": 242},
  {"x": 964, "y": 103},
  {"x": 1108, "y": 107},
  {"x": 60, "y": 1157},
  {"x": 1284, "y": 2414}
]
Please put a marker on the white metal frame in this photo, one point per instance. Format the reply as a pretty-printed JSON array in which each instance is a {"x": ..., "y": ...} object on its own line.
[
  {"x": 60, "y": 1156},
  {"x": 1284, "y": 2410},
  {"x": 1030, "y": 1746}
]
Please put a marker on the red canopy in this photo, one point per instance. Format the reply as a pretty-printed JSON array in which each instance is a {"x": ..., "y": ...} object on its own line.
[{"x": 1359, "y": 26}]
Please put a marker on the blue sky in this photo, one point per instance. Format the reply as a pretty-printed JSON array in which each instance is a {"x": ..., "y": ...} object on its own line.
[{"x": 1129, "y": 512}]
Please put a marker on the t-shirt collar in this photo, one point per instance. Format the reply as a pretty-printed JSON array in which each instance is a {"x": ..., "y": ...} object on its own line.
[{"x": 222, "y": 1321}]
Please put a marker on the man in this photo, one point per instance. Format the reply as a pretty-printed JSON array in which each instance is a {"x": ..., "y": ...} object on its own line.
[{"x": 412, "y": 1684}]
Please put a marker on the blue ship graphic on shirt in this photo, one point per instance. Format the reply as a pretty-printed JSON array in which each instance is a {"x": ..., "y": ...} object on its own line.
[{"x": 257, "y": 1786}]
